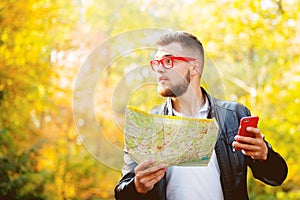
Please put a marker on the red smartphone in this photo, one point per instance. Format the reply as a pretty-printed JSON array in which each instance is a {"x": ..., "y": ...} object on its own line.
[{"x": 246, "y": 122}]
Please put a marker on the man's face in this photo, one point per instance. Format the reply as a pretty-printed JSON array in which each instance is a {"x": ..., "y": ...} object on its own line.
[{"x": 175, "y": 81}]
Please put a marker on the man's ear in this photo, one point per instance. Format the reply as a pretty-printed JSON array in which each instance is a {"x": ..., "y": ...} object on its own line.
[{"x": 195, "y": 67}]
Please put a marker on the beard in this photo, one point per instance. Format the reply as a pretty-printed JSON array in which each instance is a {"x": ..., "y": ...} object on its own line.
[{"x": 176, "y": 90}]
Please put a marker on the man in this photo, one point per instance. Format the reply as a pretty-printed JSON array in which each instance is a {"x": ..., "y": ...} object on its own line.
[{"x": 179, "y": 65}]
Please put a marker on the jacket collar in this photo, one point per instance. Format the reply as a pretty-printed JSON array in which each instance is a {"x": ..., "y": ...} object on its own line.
[{"x": 167, "y": 108}]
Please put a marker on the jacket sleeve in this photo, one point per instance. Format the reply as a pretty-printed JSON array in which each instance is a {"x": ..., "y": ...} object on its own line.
[
  {"x": 272, "y": 171},
  {"x": 125, "y": 189}
]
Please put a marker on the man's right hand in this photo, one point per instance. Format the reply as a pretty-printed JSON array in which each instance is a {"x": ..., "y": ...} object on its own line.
[{"x": 147, "y": 174}]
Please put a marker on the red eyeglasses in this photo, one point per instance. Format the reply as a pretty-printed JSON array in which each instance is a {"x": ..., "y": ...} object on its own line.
[{"x": 168, "y": 62}]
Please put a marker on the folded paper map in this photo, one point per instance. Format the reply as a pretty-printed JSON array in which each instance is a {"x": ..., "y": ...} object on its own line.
[{"x": 169, "y": 139}]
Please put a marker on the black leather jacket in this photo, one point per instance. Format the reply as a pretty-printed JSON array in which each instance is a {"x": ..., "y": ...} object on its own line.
[{"x": 232, "y": 164}]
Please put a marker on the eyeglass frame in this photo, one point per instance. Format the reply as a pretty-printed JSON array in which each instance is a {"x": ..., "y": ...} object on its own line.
[{"x": 172, "y": 58}]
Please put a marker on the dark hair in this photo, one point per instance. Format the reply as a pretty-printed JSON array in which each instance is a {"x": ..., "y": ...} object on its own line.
[{"x": 186, "y": 40}]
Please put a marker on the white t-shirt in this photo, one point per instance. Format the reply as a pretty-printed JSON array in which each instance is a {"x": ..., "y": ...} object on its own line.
[{"x": 194, "y": 182}]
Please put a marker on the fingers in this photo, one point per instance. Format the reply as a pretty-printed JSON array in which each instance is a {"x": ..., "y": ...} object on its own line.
[
  {"x": 257, "y": 140},
  {"x": 255, "y": 131},
  {"x": 147, "y": 168},
  {"x": 254, "y": 147},
  {"x": 256, "y": 155},
  {"x": 150, "y": 173},
  {"x": 144, "y": 165},
  {"x": 147, "y": 175},
  {"x": 246, "y": 146},
  {"x": 146, "y": 183},
  {"x": 257, "y": 152}
]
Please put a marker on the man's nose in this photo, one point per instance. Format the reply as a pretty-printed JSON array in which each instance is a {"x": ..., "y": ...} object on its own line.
[{"x": 160, "y": 68}]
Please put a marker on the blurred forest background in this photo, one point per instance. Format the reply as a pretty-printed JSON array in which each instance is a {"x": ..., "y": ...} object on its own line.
[{"x": 253, "y": 44}]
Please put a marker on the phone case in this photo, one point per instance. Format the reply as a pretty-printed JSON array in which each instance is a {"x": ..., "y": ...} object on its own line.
[{"x": 247, "y": 122}]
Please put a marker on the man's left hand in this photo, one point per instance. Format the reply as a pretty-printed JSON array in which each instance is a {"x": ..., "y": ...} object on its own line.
[{"x": 255, "y": 147}]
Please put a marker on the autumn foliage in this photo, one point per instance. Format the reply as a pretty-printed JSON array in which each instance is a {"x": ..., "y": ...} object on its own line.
[{"x": 253, "y": 44}]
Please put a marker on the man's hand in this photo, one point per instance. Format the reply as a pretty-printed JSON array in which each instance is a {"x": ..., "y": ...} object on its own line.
[
  {"x": 254, "y": 147},
  {"x": 147, "y": 175}
]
